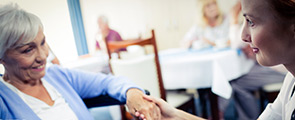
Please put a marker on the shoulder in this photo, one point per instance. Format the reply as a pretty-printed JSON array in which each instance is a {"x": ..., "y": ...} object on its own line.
[
  {"x": 113, "y": 31},
  {"x": 287, "y": 85},
  {"x": 58, "y": 71},
  {"x": 55, "y": 69},
  {"x": 288, "y": 78}
]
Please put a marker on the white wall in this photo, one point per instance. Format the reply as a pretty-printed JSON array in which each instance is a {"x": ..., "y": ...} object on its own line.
[
  {"x": 57, "y": 25},
  {"x": 171, "y": 19}
]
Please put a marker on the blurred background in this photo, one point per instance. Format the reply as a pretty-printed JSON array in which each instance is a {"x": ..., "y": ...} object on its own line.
[{"x": 171, "y": 19}]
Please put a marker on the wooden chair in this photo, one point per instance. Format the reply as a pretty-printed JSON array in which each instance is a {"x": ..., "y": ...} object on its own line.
[{"x": 145, "y": 71}]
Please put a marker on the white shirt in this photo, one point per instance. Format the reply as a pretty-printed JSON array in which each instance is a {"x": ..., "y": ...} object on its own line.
[
  {"x": 284, "y": 104},
  {"x": 59, "y": 111}
]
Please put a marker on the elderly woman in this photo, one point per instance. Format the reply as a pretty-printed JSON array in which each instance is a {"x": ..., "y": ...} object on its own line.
[
  {"x": 269, "y": 27},
  {"x": 29, "y": 90}
]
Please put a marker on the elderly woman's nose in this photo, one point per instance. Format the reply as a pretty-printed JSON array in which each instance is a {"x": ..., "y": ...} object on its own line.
[{"x": 41, "y": 55}]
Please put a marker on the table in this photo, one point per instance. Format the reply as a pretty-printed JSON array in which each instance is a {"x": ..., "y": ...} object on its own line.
[{"x": 211, "y": 67}]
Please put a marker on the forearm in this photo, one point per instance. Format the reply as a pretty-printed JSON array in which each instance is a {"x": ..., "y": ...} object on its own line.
[
  {"x": 181, "y": 115},
  {"x": 119, "y": 87},
  {"x": 209, "y": 42}
]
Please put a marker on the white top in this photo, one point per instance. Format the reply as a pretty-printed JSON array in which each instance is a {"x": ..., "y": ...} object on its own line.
[
  {"x": 284, "y": 104},
  {"x": 59, "y": 111},
  {"x": 218, "y": 35}
]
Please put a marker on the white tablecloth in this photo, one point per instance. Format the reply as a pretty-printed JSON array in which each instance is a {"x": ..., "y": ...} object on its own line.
[{"x": 182, "y": 68}]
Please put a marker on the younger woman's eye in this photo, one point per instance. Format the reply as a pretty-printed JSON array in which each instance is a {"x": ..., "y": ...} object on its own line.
[{"x": 250, "y": 23}]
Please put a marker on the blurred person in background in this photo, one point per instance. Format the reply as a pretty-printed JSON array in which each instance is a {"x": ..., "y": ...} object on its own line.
[
  {"x": 212, "y": 29},
  {"x": 105, "y": 33}
]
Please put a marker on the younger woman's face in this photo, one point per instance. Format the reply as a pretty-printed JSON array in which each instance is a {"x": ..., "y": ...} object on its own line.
[{"x": 270, "y": 39}]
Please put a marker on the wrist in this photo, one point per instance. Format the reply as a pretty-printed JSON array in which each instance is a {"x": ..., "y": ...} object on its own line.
[
  {"x": 179, "y": 114},
  {"x": 133, "y": 92}
]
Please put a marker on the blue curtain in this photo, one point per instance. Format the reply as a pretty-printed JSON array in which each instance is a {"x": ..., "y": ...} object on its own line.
[{"x": 78, "y": 26}]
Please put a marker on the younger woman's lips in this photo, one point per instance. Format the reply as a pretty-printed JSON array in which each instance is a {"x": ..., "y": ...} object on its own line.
[{"x": 255, "y": 50}]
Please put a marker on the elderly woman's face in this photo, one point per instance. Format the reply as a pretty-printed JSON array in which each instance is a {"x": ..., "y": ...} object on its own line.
[
  {"x": 28, "y": 62},
  {"x": 103, "y": 27},
  {"x": 270, "y": 40}
]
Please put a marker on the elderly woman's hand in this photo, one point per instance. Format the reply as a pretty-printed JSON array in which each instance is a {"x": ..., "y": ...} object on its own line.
[
  {"x": 140, "y": 107},
  {"x": 167, "y": 111}
]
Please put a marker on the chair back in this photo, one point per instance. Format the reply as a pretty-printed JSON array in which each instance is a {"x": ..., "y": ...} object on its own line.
[
  {"x": 143, "y": 70},
  {"x": 133, "y": 51}
]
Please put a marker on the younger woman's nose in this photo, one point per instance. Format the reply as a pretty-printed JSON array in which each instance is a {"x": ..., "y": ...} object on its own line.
[{"x": 246, "y": 37}]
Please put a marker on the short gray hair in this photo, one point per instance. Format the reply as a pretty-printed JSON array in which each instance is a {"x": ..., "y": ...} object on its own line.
[
  {"x": 17, "y": 27},
  {"x": 104, "y": 19}
]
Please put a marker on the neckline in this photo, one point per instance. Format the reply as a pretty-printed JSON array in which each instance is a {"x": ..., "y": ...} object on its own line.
[{"x": 54, "y": 95}]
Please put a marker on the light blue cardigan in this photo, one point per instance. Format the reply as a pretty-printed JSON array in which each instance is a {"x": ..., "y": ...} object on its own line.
[{"x": 73, "y": 85}]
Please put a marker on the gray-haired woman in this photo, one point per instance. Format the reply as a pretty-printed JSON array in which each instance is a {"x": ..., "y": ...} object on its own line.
[{"x": 29, "y": 90}]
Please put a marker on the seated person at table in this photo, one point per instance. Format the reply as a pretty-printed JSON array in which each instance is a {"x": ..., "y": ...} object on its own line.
[
  {"x": 105, "y": 33},
  {"x": 211, "y": 30},
  {"x": 29, "y": 90},
  {"x": 269, "y": 27}
]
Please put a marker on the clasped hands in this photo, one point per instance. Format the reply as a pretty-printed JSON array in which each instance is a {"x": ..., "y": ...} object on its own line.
[{"x": 145, "y": 107}]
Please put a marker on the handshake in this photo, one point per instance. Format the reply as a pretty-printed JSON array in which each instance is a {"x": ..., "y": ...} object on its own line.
[{"x": 158, "y": 109}]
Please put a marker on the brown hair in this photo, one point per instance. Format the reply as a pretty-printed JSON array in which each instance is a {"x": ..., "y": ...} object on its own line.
[{"x": 284, "y": 8}]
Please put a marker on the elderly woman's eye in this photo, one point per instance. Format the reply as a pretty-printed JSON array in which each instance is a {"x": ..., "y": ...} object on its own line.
[
  {"x": 27, "y": 50},
  {"x": 43, "y": 42}
]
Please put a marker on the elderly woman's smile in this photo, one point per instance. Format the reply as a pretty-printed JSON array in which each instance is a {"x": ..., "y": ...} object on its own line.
[{"x": 39, "y": 68}]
